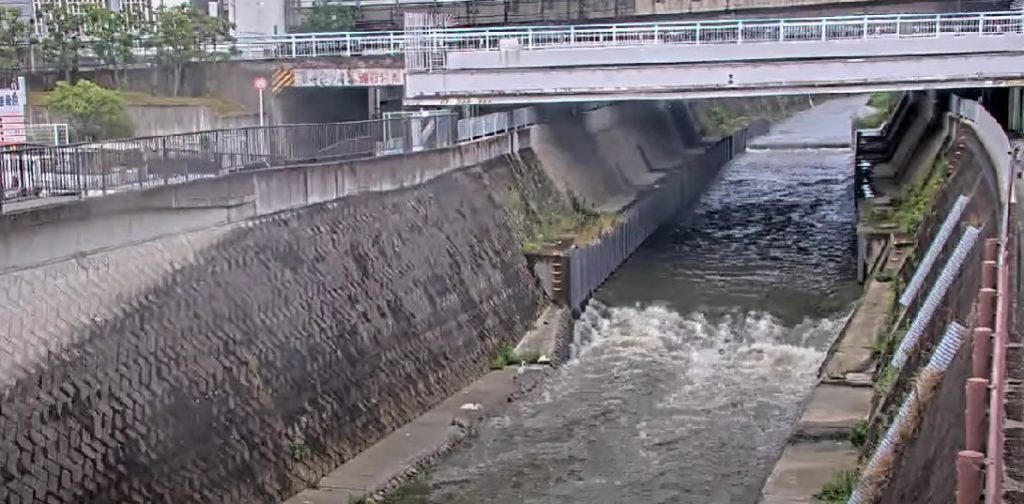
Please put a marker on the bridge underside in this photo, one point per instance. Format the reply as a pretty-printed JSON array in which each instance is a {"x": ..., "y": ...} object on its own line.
[{"x": 714, "y": 80}]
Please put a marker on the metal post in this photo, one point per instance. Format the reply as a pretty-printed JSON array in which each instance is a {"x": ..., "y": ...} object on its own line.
[
  {"x": 981, "y": 353},
  {"x": 986, "y": 307},
  {"x": 991, "y": 249},
  {"x": 988, "y": 274},
  {"x": 977, "y": 388},
  {"x": 968, "y": 476},
  {"x": 262, "y": 118}
]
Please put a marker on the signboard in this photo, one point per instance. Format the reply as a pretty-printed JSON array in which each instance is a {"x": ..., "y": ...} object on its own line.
[
  {"x": 13, "y": 104},
  {"x": 346, "y": 77},
  {"x": 13, "y": 98},
  {"x": 259, "y": 83}
]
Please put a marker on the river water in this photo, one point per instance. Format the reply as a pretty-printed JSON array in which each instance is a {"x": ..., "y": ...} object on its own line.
[{"x": 691, "y": 366}]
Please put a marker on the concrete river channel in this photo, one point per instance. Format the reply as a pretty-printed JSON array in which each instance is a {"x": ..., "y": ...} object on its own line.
[{"x": 691, "y": 365}]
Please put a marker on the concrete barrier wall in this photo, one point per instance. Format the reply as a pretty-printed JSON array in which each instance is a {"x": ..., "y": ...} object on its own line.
[
  {"x": 591, "y": 265},
  {"x": 231, "y": 340},
  {"x": 606, "y": 156},
  {"x": 925, "y": 470},
  {"x": 52, "y": 233}
]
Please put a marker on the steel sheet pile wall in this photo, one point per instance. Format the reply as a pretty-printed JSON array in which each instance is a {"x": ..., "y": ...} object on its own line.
[{"x": 590, "y": 265}]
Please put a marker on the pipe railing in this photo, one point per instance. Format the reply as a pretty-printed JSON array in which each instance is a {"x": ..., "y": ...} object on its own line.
[
  {"x": 889, "y": 26},
  {"x": 112, "y": 166}
]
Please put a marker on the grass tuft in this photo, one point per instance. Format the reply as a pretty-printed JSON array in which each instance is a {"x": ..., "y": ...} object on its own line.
[{"x": 838, "y": 489}]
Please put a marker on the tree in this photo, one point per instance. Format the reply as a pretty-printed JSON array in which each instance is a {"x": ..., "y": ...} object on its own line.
[
  {"x": 15, "y": 34},
  {"x": 328, "y": 17},
  {"x": 94, "y": 113},
  {"x": 63, "y": 42},
  {"x": 183, "y": 34},
  {"x": 113, "y": 37}
]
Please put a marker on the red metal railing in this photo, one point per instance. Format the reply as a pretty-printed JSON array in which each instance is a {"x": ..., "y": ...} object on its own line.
[{"x": 980, "y": 466}]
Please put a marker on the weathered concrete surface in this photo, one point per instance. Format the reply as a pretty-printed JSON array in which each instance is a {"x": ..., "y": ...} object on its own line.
[
  {"x": 855, "y": 349},
  {"x": 56, "y": 232},
  {"x": 605, "y": 156},
  {"x": 804, "y": 468},
  {"x": 547, "y": 338},
  {"x": 925, "y": 469},
  {"x": 417, "y": 445},
  {"x": 238, "y": 362},
  {"x": 833, "y": 411}
]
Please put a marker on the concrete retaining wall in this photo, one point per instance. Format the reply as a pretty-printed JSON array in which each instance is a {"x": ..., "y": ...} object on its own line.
[
  {"x": 231, "y": 340},
  {"x": 166, "y": 120},
  {"x": 606, "y": 156},
  {"x": 589, "y": 266},
  {"x": 925, "y": 469}
]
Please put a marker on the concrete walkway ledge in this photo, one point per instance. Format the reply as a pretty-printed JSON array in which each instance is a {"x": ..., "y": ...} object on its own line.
[{"x": 416, "y": 446}]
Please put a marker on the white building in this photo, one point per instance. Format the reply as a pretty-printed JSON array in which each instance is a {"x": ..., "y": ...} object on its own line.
[{"x": 251, "y": 17}]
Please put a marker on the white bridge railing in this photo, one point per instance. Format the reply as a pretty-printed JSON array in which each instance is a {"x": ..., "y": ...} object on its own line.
[{"x": 894, "y": 26}]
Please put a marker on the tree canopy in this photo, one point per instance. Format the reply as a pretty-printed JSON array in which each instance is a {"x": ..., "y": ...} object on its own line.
[
  {"x": 175, "y": 35},
  {"x": 63, "y": 38},
  {"x": 114, "y": 35},
  {"x": 328, "y": 17},
  {"x": 15, "y": 34},
  {"x": 92, "y": 112},
  {"x": 183, "y": 34}
]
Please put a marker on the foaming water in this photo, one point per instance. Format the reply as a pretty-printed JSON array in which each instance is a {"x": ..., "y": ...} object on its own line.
[
  {"x": 689, "y": 371},
  {"x": 655, "y": 407}
]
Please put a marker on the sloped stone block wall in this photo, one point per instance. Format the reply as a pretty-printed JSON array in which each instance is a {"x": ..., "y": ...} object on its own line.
[{"x": 263, "y": 356}]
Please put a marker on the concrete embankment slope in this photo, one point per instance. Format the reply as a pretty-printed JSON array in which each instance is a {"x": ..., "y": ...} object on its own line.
[
  {"x": 235, "y": 363},
  {"x": 232, "y": 340},
  {"x": 895, "y": 385}
]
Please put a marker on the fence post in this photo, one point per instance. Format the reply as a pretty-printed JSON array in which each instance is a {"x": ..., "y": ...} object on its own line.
[
  {"x": 977, "y": 389},
  {"x": 969, "y": 466}
]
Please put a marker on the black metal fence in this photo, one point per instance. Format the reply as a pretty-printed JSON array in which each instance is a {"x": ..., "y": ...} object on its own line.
[{"x": 87, "y": 169}]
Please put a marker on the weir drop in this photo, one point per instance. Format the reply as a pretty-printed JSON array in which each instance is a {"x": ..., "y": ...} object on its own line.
[{"x": 691, "y": 365}]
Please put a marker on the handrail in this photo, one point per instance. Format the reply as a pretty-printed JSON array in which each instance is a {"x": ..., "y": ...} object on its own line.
[
  {"x": 872, "y": 26},
  {"x": 111, "y": 166}
]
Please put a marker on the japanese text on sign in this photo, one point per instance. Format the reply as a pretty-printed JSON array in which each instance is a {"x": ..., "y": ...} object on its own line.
[
  {"x": 343, "y": 77},
  {"x": 12, "y": 98}
]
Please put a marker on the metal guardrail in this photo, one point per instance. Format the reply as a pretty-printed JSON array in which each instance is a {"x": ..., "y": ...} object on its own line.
[
  {"x": 311, "y": 45},
  {"x": 980, "y": 465},
  {"x": 498, "y": 122},
  {"x": 99, "y": 168}
]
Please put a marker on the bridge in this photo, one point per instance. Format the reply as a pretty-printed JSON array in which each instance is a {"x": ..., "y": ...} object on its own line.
[{"x": 713, "y": 59}]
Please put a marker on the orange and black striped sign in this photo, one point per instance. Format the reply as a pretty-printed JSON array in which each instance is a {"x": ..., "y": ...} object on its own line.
[{"x": 282, "y": 78}]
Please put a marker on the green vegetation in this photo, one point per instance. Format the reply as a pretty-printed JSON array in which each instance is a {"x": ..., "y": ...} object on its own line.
[
  {"x": 883, "y": 104},
  {"x": 183, "y": 34},
  {"x": 178, "y": 35},
  {"x": 414, "y": 491},
  {"x": 507, "y": 356},
  {"x": 298, "y": 450},
  {"x": 113, "y": 35},
  {"x": 328, "y": 17},
  {"x": 859, "y": 433},
  {"x": 93, "y": 113},
  {"x": 886, "y": 381},
  {"x": 573, "y": 226},
  {"x": 838, "y": 489},
  {"x": 219, "y": 106},
  {"x": 917, "y": 203},
  {"x": 15, "y": 34}
]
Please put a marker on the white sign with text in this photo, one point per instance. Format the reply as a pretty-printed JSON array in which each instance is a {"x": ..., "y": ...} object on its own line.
[{"x": 345, "y": 77}]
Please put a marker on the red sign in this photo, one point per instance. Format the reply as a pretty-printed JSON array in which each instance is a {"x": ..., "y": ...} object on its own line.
[
  {"x": 259, "y": 83},
  {"x": 12, "y": 129}
]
